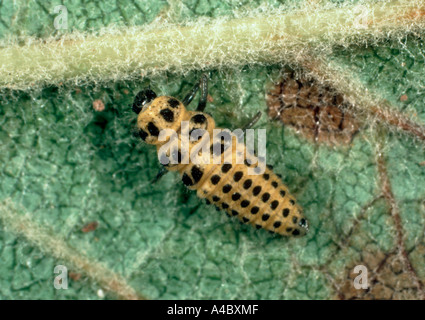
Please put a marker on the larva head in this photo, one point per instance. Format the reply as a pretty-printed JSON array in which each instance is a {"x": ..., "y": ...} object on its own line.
[
  {"x": 156, "y": 114},
  {"x": 141, "y": 99}
]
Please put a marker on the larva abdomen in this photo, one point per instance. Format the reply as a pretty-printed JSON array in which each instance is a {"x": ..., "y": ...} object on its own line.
[{"x": 257, "y": 199}]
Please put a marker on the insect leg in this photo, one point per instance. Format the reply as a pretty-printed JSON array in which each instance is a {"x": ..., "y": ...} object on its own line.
[
  {"x": 203, "y": 83},
  {"x": 253, "y": 121},
  {"x": 161, "y": 172},
  {"x": 192, "y": 93},
  {"x": 249, "y": 125}
]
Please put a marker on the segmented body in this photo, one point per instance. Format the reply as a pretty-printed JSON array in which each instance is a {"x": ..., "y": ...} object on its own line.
[{"x": 261, "y": 200}]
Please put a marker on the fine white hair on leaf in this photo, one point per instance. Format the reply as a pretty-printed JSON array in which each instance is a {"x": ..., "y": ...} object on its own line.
[{"x": 258, "y": 36}]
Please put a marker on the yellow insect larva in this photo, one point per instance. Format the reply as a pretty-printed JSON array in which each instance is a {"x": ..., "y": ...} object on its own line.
[{"x": 261, "y": 200}]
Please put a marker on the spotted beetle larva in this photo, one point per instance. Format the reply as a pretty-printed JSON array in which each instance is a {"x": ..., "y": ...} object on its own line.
[{"x": 261, "y": 200}]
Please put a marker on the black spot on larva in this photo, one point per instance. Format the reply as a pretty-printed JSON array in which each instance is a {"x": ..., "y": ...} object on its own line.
[
  {"x": 292, "y": 202},
  {"x": 254, "y": 210},
  {"x": 223, "y": 147},
  {"x": 269, "y": 166},
  {"x": 285, "y": 212},
  {"x": 294, "y": 219},
  {"x": 163, "y": 159},
  {"x": 258, "y": 226},
  {"x": 174, "y": 103},
  {"x": 265, "y": 217},
  {"x": 246, "y": 220},
  {"x": 274, "y": 204},
  {"x": 143, "y": 134},
  {"x": 282, "y": 193},
  {"x": 186, "y": 180},
  {"x": 196, "y": 174},
  {"x": 224, "y": 205},
  {"x": 227, "y": 188},
  {"x": 217, "y": 148},
  {"x": 215, "y": 179},
  {"x": 247, "y": 162},
  {"x": 247, "y": 184},
  {"x": 256, "y": 190},
  {"x": 244, "y": 203},
  {"x": 199, "y": 118},
  {"x": 236, "y": 196},
  {"x": 265, "y": 197},
  {"x": 215, "y": 198},
  {"x": 226, "y": 167},
  {"x": 296, "y": 232},
  {"x": 279, "y": 175},
  {"x": 153, "y": 129},
  {"x": 303, "y": 223},
  {"x": 167, "y": 114},
  {"x": 274, "y": 184},
  {"x": 225, "y": 136},
  {"x": 237, "y": 176},
  {"x": 266, "y": 176},
  {"x": 288, "y": 229},
  {"x": 207, "y": 201},
  {"x": 277, "y": 224},
  {"x": 177, "y": 156},
  {"x": 235, "y": 213},
  {"x": 196, "y": 136}
]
